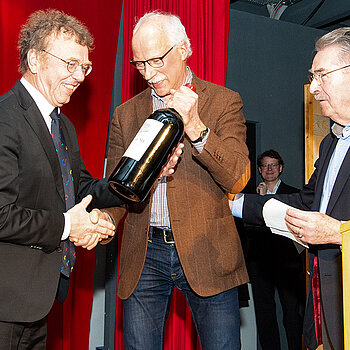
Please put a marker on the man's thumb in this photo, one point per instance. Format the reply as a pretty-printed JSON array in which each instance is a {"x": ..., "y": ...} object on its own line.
[
  {"x": 86, "y": 201},
  {"x": 94, "y": 216}
]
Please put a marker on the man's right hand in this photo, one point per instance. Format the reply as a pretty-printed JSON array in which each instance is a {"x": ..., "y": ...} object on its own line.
[
  {"x": 313, "y": 227},
  {"x": 261, "y": 189},
  {"x": 87, "y": 229}
]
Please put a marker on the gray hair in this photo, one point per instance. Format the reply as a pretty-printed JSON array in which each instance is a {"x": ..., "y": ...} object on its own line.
[
  {"x": 170, "y": 24},
  {"x": 339, "y": 37}
]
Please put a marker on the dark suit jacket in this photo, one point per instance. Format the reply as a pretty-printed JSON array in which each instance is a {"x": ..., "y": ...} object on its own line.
[
  {"x": 329, "y": 256},
  {"x": 204, "y": 231},
  {"x": 32, "y": 206},
  {"x": 259, "y": 242},
  {"x": 284, "y": 188}
]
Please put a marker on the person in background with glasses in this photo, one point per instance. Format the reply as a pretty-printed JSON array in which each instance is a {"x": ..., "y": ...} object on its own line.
[
  {"x": 270, "y": 166},
  {"x": 44, "y": 185},
  {"x": 324, "y": 203},
  {"x": 184, "y": 235},
  {"x": 274, "y": 264}
]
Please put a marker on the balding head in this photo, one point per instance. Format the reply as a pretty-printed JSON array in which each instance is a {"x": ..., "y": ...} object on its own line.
[
  {"x": 161, "y": 39},
  {"x": 167, "y": 23}
]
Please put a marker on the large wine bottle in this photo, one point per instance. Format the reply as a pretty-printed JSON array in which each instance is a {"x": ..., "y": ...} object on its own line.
[{"x": 144, "y": 159}]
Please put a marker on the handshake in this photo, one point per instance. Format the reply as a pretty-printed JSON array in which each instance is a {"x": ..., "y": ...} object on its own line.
[{"x": 88, "y": 229}]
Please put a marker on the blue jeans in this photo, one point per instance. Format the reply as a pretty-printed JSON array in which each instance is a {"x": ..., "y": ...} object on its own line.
[{"x": 145, "y": 312}]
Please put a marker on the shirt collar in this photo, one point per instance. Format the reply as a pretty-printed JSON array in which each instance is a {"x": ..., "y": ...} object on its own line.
[
  {"x": 187, "y": 80},
  {"x": 341, "y": 132},
  {"x": 44, "y": 106},
  {"x": 275, "y": 188}
]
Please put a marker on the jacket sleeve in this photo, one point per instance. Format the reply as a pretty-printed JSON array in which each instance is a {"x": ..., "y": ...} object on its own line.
[
  {"x": 102, "y": 195},
  {"x": 115, "y": 152},
  {"x": 225, "y": 154},
  {"x": 23, "y": 219},
  {"x": 254, "y": 203}
]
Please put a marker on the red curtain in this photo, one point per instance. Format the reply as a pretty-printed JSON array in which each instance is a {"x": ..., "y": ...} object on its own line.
[
  {"x": 89, "y": 111},
  {"x": 206, "y": 22}
]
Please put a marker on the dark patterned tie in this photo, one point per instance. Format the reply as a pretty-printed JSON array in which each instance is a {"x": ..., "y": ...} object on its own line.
[
  {"x": 68, "y": 256},
  {"x": 316, "y": 296}
]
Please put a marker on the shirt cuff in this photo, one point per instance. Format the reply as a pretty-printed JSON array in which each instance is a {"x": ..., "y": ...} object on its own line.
[
  {"x": 237, "y": 206},
  {"x": 67, "y": 226}
]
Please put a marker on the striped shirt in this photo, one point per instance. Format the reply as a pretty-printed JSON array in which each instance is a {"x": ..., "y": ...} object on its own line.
[{"x": 159, "y": 210}]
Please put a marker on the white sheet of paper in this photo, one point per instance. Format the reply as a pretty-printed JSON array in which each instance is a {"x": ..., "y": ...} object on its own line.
[{"x": 274, "y": 212}]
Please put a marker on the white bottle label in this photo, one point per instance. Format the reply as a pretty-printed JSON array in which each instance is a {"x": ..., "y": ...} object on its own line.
[{"x": 143, "y": 139}]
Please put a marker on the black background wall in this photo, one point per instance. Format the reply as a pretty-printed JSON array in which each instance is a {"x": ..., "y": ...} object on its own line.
[{"x": 268, "y": 62}]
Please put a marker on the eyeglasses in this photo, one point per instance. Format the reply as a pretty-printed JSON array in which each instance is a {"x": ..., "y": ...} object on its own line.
[
  {"x": 320, "y": 76},
  {"x": 73, "y": 65},
  {"x": 272, "y": 165},
  {"x": 156, "y": 62}
]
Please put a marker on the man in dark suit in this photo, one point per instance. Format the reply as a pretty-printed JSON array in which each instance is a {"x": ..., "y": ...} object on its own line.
[
  {"x": 184, "y": 235},
  {"x": 39, "y": 219},
  {"x": 326, "y": 195},
  {"x": 273, "y": 264}
]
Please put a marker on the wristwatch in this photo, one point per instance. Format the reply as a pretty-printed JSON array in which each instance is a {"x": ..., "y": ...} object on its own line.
[{"x": 202, "y": 135}]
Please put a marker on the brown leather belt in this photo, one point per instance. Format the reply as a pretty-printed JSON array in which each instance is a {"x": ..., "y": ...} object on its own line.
[{"x": 164, "y": 234}]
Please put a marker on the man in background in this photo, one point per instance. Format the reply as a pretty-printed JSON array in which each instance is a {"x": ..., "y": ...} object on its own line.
[{"x": 273, "y": 263}]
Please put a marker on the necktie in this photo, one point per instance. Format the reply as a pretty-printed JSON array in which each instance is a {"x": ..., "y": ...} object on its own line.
[
  {"x": 68, "y": 256},
  {"x": 317, "y": 300}
]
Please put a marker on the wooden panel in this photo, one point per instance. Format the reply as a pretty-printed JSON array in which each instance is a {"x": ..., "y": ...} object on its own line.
[
  {"x": 316, "y": 128},
  {"x": 346, "y": 283},
  {"x": 308, "y": 132}
]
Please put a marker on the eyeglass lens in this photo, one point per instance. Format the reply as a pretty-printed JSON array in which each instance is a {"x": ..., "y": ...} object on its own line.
[{"x": 272, "y": 165}]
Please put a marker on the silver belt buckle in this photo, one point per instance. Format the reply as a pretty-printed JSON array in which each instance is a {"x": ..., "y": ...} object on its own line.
[{"x": 165, "y": 239}]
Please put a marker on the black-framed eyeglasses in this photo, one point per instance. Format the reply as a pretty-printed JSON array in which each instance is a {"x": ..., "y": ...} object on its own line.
[
  {"x": 73, "y": 65},
  {"x": 156, "y": 62},
  {"x": 272, "y": 165},
  {"x": 320, "y": 76}
]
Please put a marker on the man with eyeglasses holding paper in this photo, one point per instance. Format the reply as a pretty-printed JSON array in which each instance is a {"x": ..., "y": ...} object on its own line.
[{"x": 326, "y": 198}]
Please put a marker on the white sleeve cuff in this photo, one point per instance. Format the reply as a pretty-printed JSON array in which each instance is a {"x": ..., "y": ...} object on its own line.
[
  {"x": 67, "y": 226},
  {"x": 237, "y": 206}
]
